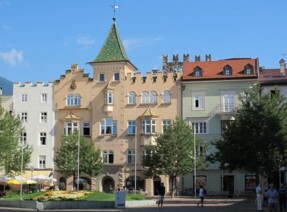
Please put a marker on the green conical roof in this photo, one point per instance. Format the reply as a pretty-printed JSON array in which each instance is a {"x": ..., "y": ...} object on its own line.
[{"x": 113, "y": 49}]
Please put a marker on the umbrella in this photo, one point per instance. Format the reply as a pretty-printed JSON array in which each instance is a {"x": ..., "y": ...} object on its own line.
[
  {"x": 4, "y": 179},
  {"x": 30, "y": 182},
  {"x": 41, "y": 178},
  {"x": 13, "y": 182}
]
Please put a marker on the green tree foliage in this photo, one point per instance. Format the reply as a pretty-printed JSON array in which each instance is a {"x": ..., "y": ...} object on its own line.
[
  {"x": 256, "y": 141},
  {"x": 173, "y": 154},
  {"x": 11, "y": 154},
  {"x": 67, "y": 157}
]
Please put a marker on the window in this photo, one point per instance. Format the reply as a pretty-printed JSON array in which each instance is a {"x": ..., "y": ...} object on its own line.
[
  {"x": 165, "y": 125},
  {"x": 43, "y": 117},
  {"x": 199, "y": 127},
  {"x": 197, "y": 72},
  {"x": 108, "y": 127},
  {"x": 131, "y": 156},
  {"x": 73, "y": 100},
  {"x": 131, "y": 127},
  {"x": 116, "y": 76},
  {"x": 148, "y": 127},
  {"x": 166, "y": 97},
  {"x": 274, "y": 93},
  {"x": 101, "y": 77},
  {"x": 109, "y": 98},
  {"x": 71, "y": 127},
  {"x": 227, "y": 70},
  {"x": 248, "y": 69},
  {"x": 198, "y": 101},
  {"x": 24, "y": 98},
  {"x": 153, "y": 97},
  {"x": 44, "y": 97},
  {"x": 23, "y": 138},
  {"x": 86, "y": 129},
  {"x": 108, "y": 157},
  {"x": 228, "y": 102},
  {"x": 43, "y": 138},
  {"x": 24, "y": 117},
  {"x": 42, "y": 162},
  {"x": 145, "y": 97},
  {"x": 132, "y": 98}
]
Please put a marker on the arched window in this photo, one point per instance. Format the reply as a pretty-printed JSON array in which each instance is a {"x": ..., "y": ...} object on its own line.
[
  {"x": 145, "y": 97},
  {"x": 132, "y": 98},
  {"x": 153, "y": 97},
  {"x": 166, "y": 97},
  {"x": 108, "y": 156}
]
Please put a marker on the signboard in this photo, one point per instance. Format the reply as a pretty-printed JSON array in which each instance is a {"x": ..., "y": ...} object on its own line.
[{"x": 120, "y": 201}]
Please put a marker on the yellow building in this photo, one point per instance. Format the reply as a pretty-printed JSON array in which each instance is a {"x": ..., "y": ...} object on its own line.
[{"x": 120, "y": 110}]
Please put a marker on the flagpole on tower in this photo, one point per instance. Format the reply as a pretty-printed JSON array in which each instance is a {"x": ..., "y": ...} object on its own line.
[{"x": 115, "y": 6}]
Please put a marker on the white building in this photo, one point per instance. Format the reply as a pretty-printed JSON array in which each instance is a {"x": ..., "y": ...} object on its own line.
[{"x": 34, "y": 104}]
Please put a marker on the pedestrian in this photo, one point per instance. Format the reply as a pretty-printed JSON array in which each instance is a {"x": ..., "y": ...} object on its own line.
[
  {"x": 282, "y": 198},
  {"x": 272, "y": 196},
  {"x": 201, "y": 195},
  {"x": 161, "y": 193},
  {"x": 259, "y": 197}
]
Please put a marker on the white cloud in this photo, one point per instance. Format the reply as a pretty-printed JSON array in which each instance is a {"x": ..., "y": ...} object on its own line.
[
  {"x": 4, "y": 2},
  {"x": 85, "y": 41},
  {"x": 140, "y": 42},
  {"x": 13, "y": 57}
]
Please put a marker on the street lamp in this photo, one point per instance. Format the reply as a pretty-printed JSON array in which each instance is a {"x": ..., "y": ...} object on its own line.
[
  {"x": 78, "y": 174},
  {"x": 22, "y": 161},
  {"x": 135, "y": 159},
  {"x": 194, "y": 158}
]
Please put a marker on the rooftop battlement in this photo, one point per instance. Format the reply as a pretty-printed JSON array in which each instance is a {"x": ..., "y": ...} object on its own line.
[
  {"x": 30, "y": 84},
  {"x": 154, "y": 76}
]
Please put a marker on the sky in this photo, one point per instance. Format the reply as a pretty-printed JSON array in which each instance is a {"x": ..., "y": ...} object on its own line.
[{"x": 41, "y": 39}]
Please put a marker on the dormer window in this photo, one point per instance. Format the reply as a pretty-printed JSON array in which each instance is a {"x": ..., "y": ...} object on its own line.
[
  {"x": 227, "y": 71},
  {"x": 248, "y": 69},
  {"x": 197, "y": 72}
]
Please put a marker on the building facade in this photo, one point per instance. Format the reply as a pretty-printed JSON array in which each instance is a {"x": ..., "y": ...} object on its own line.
[
  {"x": 210, "y": 91},
  {"x": 120, "y": 110},
  {"x": 34, "y": 105}
]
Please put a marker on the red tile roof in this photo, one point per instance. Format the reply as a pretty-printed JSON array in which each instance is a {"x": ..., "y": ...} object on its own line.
[
  {"x": 213, "y": 70},
  {"x": 272, "y": 76}
]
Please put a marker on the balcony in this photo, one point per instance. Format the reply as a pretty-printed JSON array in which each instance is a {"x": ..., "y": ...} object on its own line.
[{"x": 224, "y": 110}]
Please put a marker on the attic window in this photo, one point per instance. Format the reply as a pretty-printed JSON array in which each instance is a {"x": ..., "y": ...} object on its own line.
[
  {"x": 227, "y": 71},
  {"x": 248, "y": 69},
  {"x": 197, "y": 72}
]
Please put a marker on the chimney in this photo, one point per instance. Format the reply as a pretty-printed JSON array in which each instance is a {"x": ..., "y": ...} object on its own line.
[
  {"x": 74, "y": 67},
  {"x": 208, "y": 57},
  {"x": 282, "y": 67},
  {"x": 197, "y": 58}
]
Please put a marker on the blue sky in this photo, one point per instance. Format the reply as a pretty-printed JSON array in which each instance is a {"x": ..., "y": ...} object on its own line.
[{"x": 40, "y": 39}]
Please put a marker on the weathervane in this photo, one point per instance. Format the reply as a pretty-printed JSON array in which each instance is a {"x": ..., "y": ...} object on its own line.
[{"x": 115, "y": 6}]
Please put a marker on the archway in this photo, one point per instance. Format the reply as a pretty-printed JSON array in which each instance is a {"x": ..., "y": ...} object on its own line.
[
  {"x": 156, "y": 184},
  {"x": 130, "y": 183},
  {"x": 62, "y": 183},
  {"x": 108, "y": 184},
  {"x": 84, "y": 183}
]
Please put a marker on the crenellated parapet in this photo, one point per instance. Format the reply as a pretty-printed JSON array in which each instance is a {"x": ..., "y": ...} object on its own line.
[
  {"x": 175, "y": 65},
  {"x": 154, "y": 77},
  {"x": 30, "y": 84}
]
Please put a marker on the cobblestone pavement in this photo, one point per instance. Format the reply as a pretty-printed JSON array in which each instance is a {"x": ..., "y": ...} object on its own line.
[{"x": 181, "y": 205}]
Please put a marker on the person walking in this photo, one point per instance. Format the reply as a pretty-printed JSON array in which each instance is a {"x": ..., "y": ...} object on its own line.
[
  {"x": 272, "y": 196},
  {"x": 259, "y": 197},
  {"x": 282, "y": 198},
  {"x": 201, "y": 195},
  {"x": 161, "y": 193}
]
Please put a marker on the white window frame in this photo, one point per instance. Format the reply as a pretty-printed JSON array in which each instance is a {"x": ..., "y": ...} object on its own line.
[
  {"x": 148, "y": 126},
  {"x": 153, "y": 97},
  {"x": 73, "y": 99},
  {"x": 43, "y": 117},
  {"x": 200, "y": 127},
  {"x": 23, "y": 138},
  {"x": 145, "y": 97},
  {"x": 108, "y": 127},
  {"x": 131, "y": 127},
  {"x": 24, "y": 97},
  {"x": 165, "y": 123},
  {"x": 102, "y": 77},
  {"x": 166, "y": 97},
  {"x": 71, "y": 127},
  {"x": 24, "y": 117},
  {"x": 131, "y": 157},
  {"x": 44, "y": 97},
  {"x": 42, "y": 162},
  {"x": 198, "y": 101},
  {"x": 132, "y": 98},
  {"x": 109, "y": 98},
  {"x": 43, "y": 138},
  {"x": 86, "y": 126},
  {"x": 228, "y": 101},
  {"x": 108, "y": 157}
]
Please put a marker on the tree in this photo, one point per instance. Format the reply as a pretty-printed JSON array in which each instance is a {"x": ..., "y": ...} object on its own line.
[
  {"x": 67, "y": 157},
  {"x": 173, "y": 154},
  {"x": 10, "y": 134},
  {"x": 256, "y": 141}
]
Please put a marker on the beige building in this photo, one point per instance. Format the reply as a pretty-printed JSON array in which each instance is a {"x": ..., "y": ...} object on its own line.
[{"x": 120, "y": 110}]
